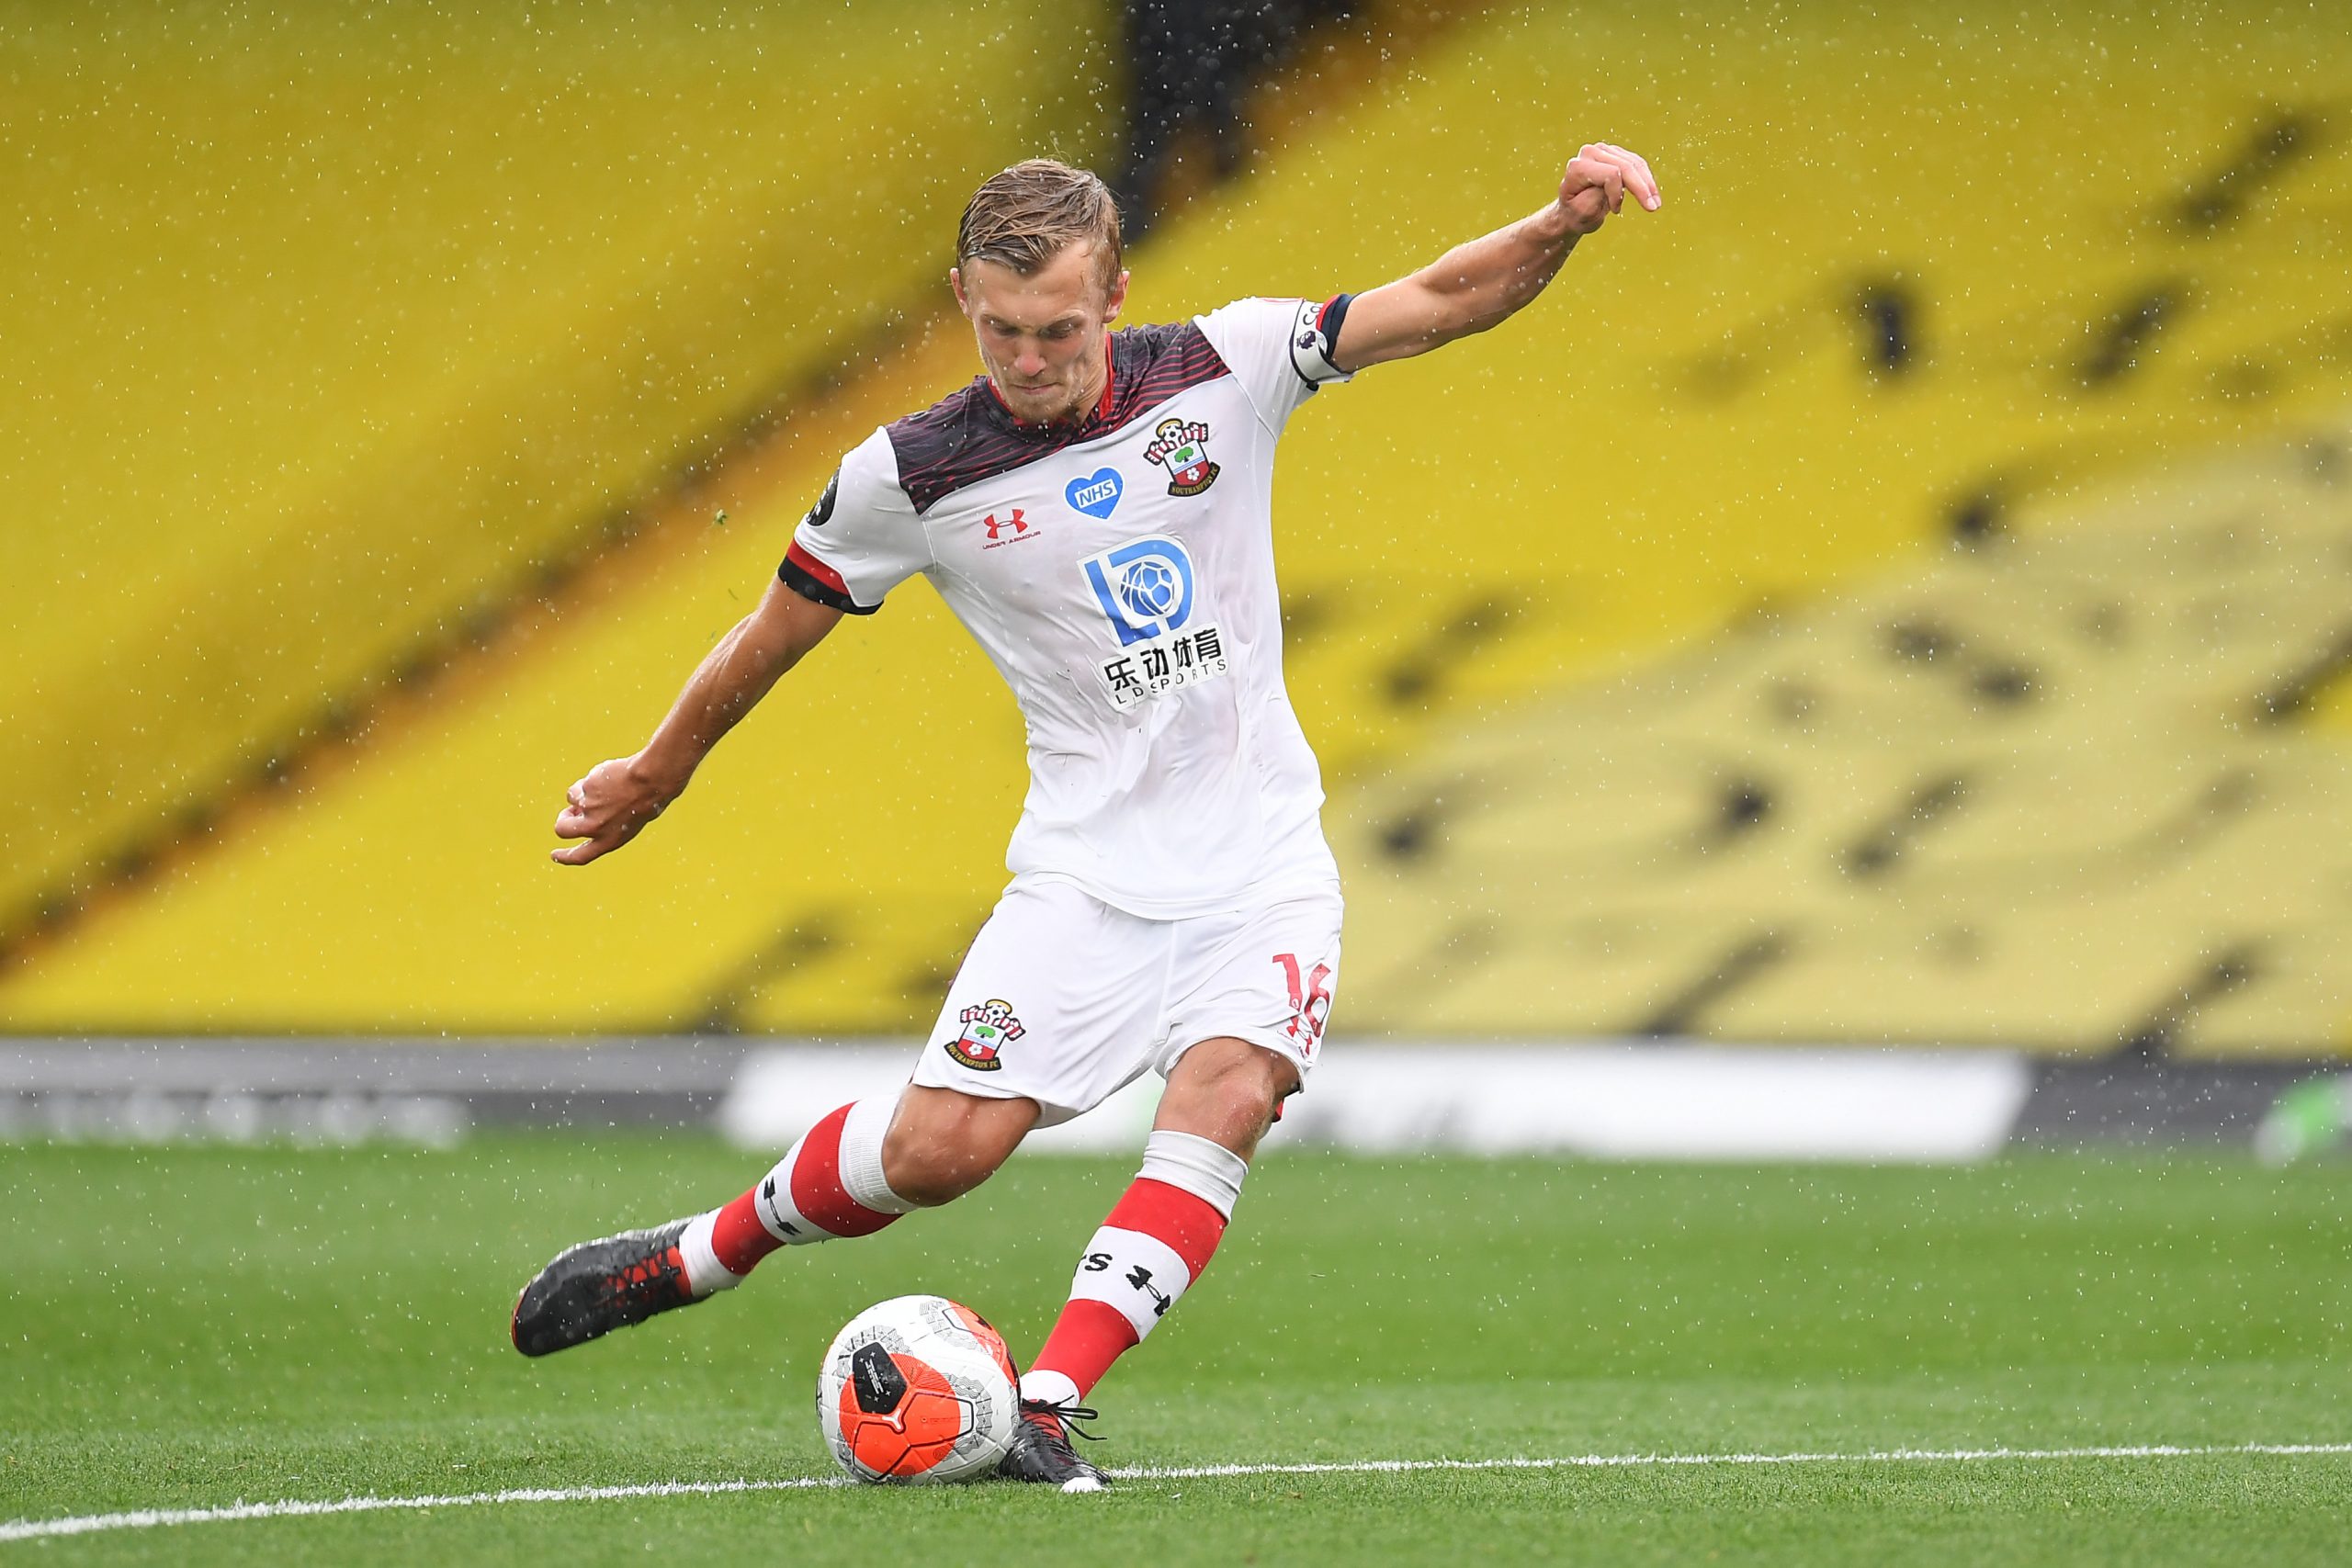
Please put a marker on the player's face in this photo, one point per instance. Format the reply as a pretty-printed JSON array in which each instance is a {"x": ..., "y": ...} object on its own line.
[{"x": 1041, "y": 336}]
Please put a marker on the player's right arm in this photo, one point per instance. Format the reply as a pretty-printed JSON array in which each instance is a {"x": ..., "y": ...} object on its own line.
[
  {"x": 617, "y": 798},
  {"x": 859, "y": 540}
]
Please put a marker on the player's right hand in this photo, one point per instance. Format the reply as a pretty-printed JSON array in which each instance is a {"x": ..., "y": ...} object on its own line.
[{"x": 606, "y": 809}]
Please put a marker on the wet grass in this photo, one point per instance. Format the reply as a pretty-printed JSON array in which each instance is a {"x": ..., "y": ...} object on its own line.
[{"x": 191, "y": 1327}]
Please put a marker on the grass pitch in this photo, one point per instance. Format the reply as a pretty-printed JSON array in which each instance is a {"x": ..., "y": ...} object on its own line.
[{"x": 193, "y": 1327}]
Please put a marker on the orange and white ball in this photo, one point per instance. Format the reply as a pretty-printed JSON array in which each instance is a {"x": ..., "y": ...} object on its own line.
[{"x": 918, "y": 1390}]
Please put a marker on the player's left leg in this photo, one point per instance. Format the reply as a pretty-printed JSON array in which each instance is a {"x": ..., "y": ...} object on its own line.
[
  {"x": 1219, "y": 1101},
  {"x": 1248, "y": 997},
  {"x": 1221, "y": 1097}
]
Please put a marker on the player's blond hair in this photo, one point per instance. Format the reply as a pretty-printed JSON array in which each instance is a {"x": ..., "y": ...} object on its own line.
[{"x": 1025, "y": 217}]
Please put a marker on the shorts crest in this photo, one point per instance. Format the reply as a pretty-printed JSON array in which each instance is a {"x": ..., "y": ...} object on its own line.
[{"x": 987, "y": 1030}]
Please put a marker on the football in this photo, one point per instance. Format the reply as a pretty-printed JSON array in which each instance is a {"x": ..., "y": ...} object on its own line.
[{"x": 918, "y": 1390}]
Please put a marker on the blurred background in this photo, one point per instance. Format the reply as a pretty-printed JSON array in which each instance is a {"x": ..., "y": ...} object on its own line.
[{"x": 1862, "y": 668}]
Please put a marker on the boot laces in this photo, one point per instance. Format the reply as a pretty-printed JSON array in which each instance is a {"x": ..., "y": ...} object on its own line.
[{"x": 1066, "y": 1415}]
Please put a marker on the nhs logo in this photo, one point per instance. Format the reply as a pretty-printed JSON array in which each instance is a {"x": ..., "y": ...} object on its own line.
[
  {"x": 1145, "y": 586},
  {"x": 1096, "y": 494}
]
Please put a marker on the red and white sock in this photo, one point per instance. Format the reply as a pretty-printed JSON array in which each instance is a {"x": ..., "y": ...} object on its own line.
[
  {"x": 1153, "y": 1246},
  {"x": 829, "y": 1186}
]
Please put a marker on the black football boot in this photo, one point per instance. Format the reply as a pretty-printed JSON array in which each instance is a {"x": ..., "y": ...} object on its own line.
[
  {"x": 1041, "y": 1449},
  {"x": 598, "y": 1286}
]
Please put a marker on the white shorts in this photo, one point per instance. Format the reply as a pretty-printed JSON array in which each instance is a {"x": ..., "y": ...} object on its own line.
[{"x": 1065, "y": 1000}]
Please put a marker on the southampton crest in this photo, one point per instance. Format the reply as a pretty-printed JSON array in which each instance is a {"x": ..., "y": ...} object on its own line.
[
  {"x": 987, "y": 1030},
  {"x": 1181, "y": 446}
]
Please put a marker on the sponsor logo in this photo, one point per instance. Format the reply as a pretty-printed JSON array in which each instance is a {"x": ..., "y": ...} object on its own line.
[
  {"x": 987, "y": 1030},
  {"x": 1181, "y": 446},
  {"x": 1145, "y": 586},
  {"x": 1006, "y": 530},
  {"x": 1097, "y": 495},
  {"x": 1162, "y": 666}
]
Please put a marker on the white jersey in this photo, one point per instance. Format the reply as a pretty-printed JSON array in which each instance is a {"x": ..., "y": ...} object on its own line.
[{"x": 1120, "y": 573}]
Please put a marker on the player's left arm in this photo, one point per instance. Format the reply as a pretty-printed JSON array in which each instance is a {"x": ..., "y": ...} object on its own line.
[{"x": 1476, "y": 285}]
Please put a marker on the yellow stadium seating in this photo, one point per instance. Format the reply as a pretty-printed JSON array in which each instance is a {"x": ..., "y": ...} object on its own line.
[
  {"x": 2024, "y": 791},
  {"x": 341, "y": 327},
  {"x": 1562, "y": 597}
]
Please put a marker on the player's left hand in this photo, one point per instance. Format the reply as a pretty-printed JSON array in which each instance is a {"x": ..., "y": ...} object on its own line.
[{"x": 1598, "y": 179}]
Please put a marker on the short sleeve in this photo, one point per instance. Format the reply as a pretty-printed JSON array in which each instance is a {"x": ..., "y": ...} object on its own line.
[
  {"x": 1279, "y": 350},
  {"x": 862, "y": 539}
]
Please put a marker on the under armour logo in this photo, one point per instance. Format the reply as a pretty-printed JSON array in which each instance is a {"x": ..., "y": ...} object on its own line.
[
  {"x": 1140, "y": 1278},
  {"x": 1018, "y": 523},
  {"x": 767, "y": 1202}
]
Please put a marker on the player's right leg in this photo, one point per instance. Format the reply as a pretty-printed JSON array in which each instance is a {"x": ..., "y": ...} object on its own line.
[{"x": 853, "y": 1173}]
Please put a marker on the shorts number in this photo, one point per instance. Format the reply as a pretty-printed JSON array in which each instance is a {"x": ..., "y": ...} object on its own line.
[{"x": 1310, "y": 1000}]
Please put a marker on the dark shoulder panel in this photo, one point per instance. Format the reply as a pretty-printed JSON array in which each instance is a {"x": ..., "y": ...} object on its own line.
[
  {"x": 942, "y": 448},
  {"x": 969, "y": 435},
  {"x": 1160, "y": 362}
]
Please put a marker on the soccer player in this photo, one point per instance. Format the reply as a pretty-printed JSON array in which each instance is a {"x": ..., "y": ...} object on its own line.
[{"x": 1095, "y": 510}]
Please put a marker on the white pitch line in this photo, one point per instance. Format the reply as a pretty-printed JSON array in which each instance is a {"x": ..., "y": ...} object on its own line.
[
  {"x": 1636, "y": 1461},
  {"x": 151, "y": 1519}
]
